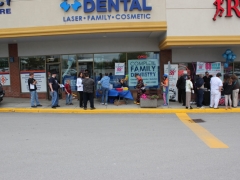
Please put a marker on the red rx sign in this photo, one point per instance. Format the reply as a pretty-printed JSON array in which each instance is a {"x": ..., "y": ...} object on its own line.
[{"x": 231, "y": 6}]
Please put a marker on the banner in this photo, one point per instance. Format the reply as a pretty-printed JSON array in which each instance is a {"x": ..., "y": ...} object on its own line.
[
  {"x": 5, "y": 79},
  {"x": 119, "y": 68},
  {"x": 172, "y": 79},
  {"x": 212, "y": 68},
  {"x": 40, "y": 77},
  {"x": 148, "y": 69}
]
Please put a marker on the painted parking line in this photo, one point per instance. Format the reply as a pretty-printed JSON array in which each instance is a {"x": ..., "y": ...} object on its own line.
[{"x": 208, "y": 138}]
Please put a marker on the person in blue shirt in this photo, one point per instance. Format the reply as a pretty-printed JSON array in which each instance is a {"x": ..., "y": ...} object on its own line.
[{"x": 105, "y": 82}]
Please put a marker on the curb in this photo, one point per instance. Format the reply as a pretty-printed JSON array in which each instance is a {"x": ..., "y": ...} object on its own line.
[{"x": 118, "y": 111}]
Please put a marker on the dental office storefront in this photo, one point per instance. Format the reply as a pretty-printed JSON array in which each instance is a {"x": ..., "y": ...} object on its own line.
[{"x": 72, "y": 36}]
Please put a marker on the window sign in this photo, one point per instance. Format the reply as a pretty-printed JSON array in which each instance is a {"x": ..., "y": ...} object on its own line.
[
  {"x": 4, "y": 72},
  {"x": 148, "y": 69}
]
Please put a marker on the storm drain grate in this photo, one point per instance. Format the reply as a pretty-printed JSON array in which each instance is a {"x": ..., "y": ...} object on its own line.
[{"x": 198, "y": 120}]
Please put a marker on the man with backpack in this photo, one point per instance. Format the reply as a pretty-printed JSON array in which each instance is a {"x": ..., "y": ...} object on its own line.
[{"x": 200, "y": 90}]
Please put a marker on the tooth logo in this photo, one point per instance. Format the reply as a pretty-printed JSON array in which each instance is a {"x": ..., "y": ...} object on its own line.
[{"x": 75, "y": 6}]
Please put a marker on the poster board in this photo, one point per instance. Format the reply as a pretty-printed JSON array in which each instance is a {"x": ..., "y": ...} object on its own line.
[{"x": 172, "y": 79}]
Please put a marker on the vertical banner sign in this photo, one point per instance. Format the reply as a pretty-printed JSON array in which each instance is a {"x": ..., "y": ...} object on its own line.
[
  {"x": 172, "y": 79},
  {"x": 212, "y": 68},
  {"x": 39, "y": 77},
  {"x": 119, "y": 68},
  {"x": 147, "y": 68}
]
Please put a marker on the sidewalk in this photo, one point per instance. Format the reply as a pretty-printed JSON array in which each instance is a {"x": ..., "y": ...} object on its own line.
[{"x": 23, "y": 105}]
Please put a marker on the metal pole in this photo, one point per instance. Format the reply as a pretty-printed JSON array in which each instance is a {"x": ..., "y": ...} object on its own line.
[{"x": 169, "y": 68}]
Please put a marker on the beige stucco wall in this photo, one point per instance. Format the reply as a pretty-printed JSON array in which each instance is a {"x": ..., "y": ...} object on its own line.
[
  {"x": 195, "y": 18},
  {"x": 32, "y": 13},
  {"x": 3, "y": 50}
]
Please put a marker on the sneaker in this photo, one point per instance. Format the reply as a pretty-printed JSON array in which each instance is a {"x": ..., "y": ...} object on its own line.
[
  {"x": 54, "y": 107},
  {"x": 202, "y": 107},
  {"x": 210, "y": 107},
  {"x": 93, "y": 108},
  {"x": 33, "y": 106},
  {"x": 216, "y": 108},
  {"x": 39, "y": 105},
  {"x": 105, "y": 104},
  {"x": 164, "y": 104},
  {"x": 137, "y": 103},
  {"x": 102, "y": 103}
]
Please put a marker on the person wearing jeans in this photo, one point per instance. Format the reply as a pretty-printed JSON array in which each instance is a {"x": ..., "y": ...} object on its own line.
[
  {"x": 33, "y": 91},
  {"x": 105, "y": 82},
  {"x": 53, "y": 84}
]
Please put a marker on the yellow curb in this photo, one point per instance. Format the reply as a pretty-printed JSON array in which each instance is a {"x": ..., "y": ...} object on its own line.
[{"x": 117, "y": 111}]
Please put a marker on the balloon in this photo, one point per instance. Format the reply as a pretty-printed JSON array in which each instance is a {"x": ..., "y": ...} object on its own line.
[
  {"x": 234, "y": 57},
  {"x": 224, "y": 56},
  {"x": 228, "y": 51},
  {"x": 225, "y": 65},
  {"x": 229, "y": 56}
]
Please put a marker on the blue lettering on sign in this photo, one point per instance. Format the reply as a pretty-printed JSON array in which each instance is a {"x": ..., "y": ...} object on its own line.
[
  {"x": 107, "y": 5},
  {"x": 5, "y": 11}
]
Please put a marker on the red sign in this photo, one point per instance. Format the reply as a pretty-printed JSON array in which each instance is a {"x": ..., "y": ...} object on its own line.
[
  {"x": 142, "y": 57},
  {"x": 231, "y": 5}
]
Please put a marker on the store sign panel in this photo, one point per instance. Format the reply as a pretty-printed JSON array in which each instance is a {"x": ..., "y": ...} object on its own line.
[
  {"x": 5, "y": 10},
  {"x": 104, "y": 6},
  {"x": 212, "y": 68},
  {"x": 39, "y": 77},
  {"x": 148, "y": 69},
  {"x": 5, "y": 79},
  {"x": 229, "y": 6}
]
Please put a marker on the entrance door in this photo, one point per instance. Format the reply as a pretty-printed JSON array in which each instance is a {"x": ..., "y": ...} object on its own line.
[{"x": 49, "y": 70}]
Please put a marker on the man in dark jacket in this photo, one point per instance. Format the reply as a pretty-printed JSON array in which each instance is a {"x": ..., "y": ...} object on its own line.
[
  {"x": 200, "y": 86},
  {"x": 88, "y": 89},
  {"x": 182, "y": 87}
]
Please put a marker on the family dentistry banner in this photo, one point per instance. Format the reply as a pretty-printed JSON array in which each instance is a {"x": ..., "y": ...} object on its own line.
[
  {"x": 148, "y": 69},
  {"x": 212, "y": 68}
]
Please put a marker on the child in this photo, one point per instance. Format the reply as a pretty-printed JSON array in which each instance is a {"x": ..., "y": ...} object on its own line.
[
  {"x": 68, "y": 93},
  {"x": 227, "y": 90},
  {"x": 164, "y": 84}
]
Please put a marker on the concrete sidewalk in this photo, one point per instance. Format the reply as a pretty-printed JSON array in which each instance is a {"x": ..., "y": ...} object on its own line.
[{"x": 23, "y": 105}]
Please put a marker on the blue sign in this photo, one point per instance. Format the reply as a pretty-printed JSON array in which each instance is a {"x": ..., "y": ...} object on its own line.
[
  {"x": 7, "y": 10},
  {"x": 106, "y": 5}
]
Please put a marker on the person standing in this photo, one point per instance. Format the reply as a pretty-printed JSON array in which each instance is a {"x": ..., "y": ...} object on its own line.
[
  {"x": 88, "y": 87},
  {"x": 164, "y": 84},
  {"x": 200, "y": 92},
  {"x": 227, "y": 90},
  {"x": 54, "y": 86},
  {"x": 216, "y": 88},
  {"x": 189, "y": 88},
  {"x": 235, "y": 90},
  {"x": 105, "y": 83},
  {"x": 207, "y": 79},
  {"x": 182, "y": 87},
  {"x": 139, "y": 87},
  {"x": 68, "y": 93},
  {"x": 80, "y": 88},
  {"x": 33, "y": 91}
]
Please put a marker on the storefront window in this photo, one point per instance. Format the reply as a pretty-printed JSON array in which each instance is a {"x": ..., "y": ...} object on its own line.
[
  {"x": 4, "y": 72},
  {"x": 105, "y": 63},
  {"x": 237, "y": 69},
  {"x": 146, "y": 64},
  {"x": 32, "y": 63},
  {"x": 37, "y": 66},
  {"x": 69, "y": 70},
  {"x": 85, "y": 62}
]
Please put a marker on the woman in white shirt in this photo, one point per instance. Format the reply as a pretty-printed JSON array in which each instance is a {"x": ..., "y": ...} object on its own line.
[
  {"x": 80, "y": 88},
  {"x": 189, "y": 87}
]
